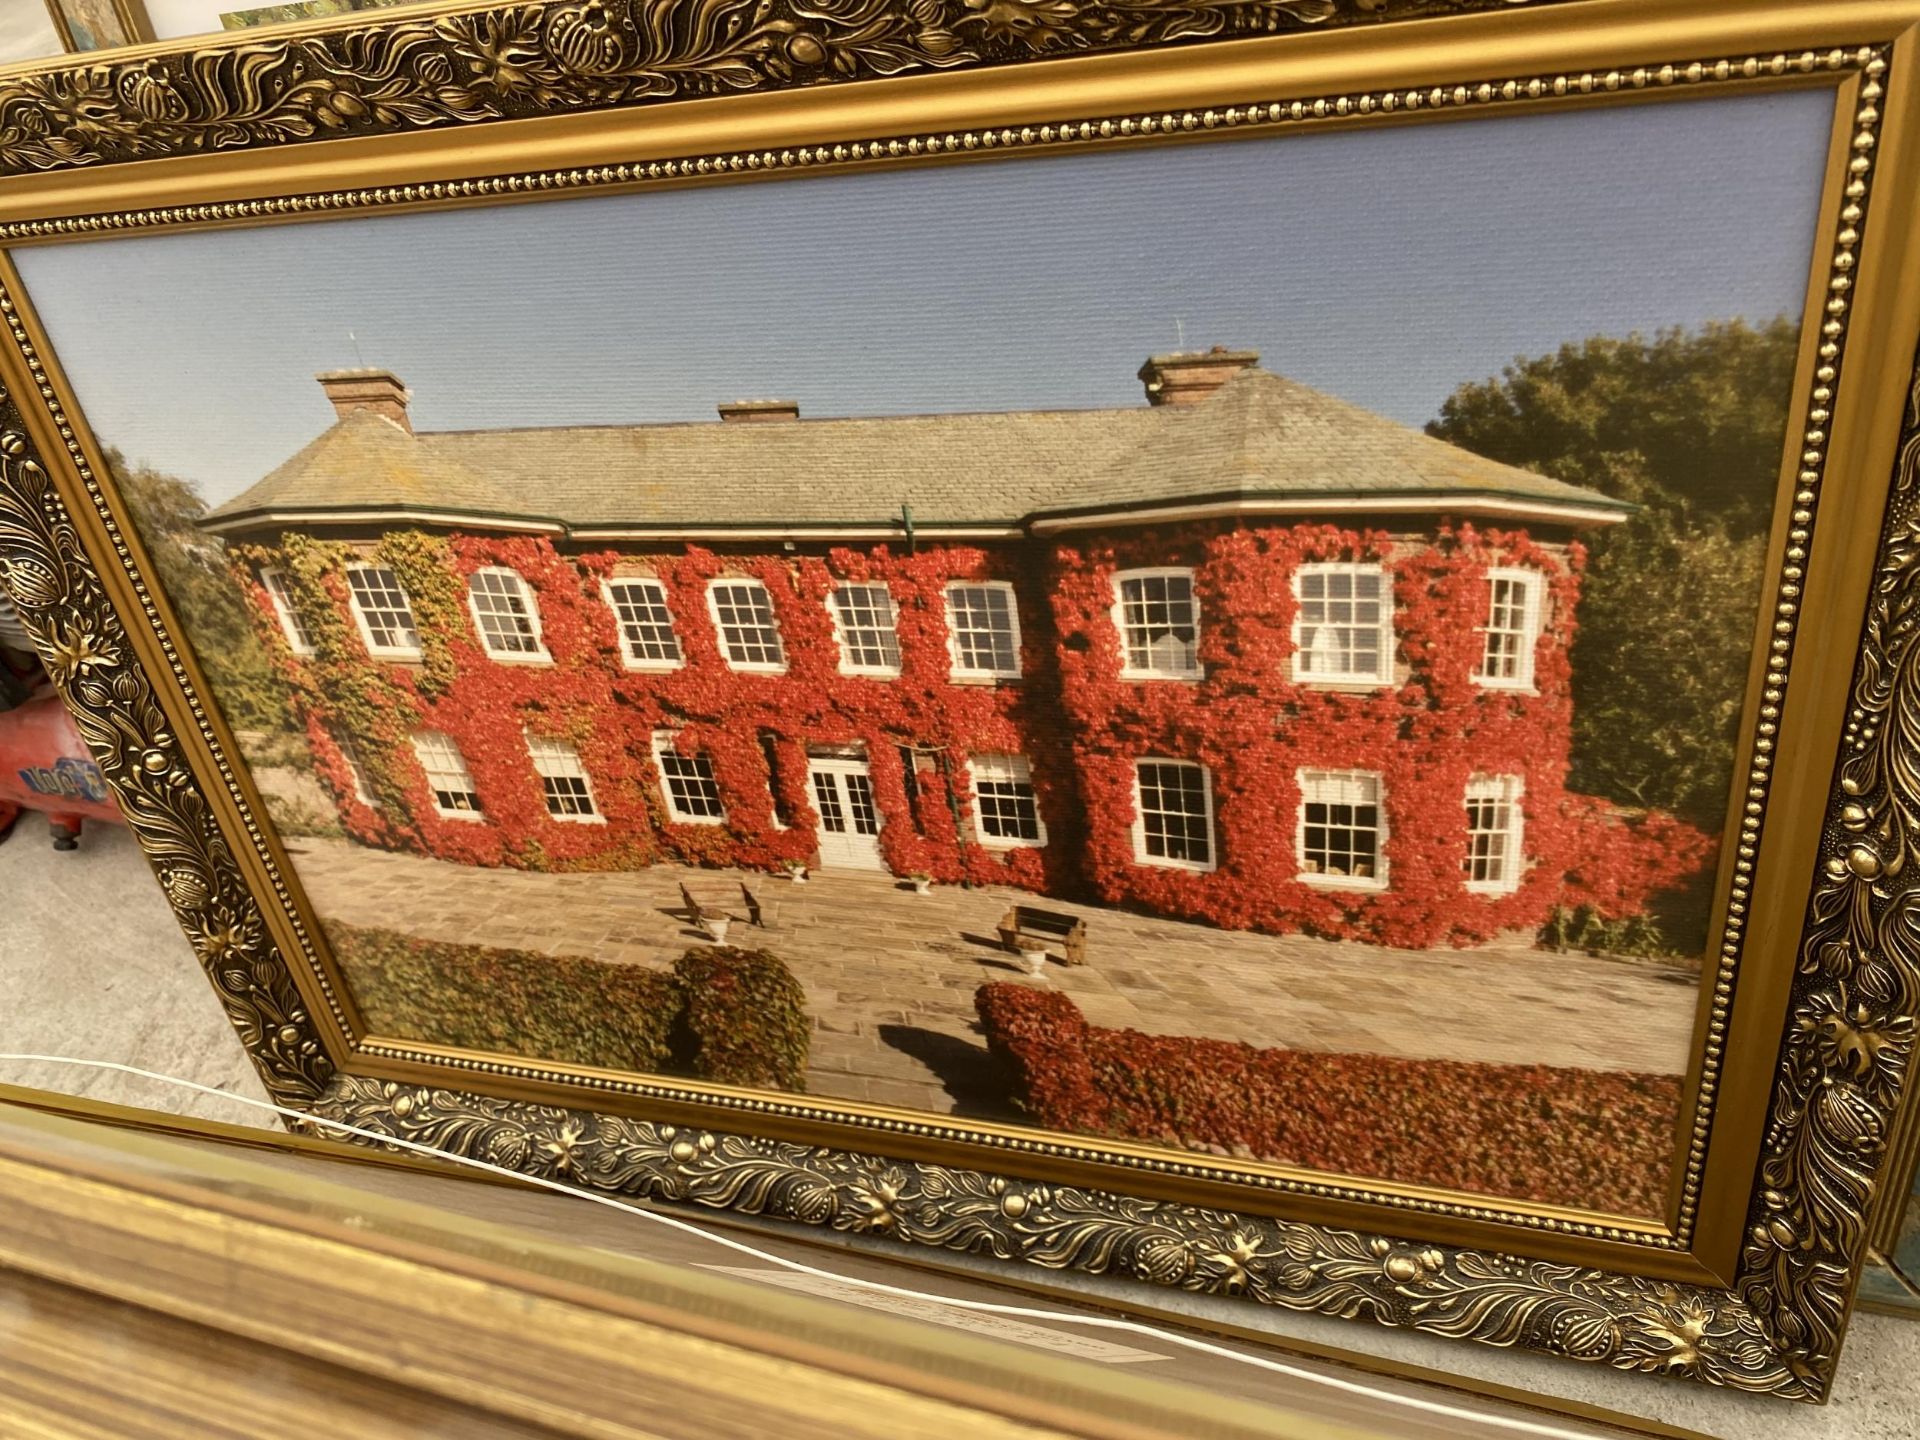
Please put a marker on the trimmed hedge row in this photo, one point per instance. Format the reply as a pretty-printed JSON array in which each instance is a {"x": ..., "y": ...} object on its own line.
[
  {"x": 743, "y": 1019},
  {"x": 1589, "y": 1139},
  {"x": 725, "y": 1014}
]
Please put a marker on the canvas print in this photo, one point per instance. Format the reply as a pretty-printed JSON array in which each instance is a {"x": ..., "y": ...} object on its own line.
[
  {"x": 89, "y": 24},
  {"x": 258, "y": 15},
  {"x": 27, "y": 33},
  {"x": 1236, "y": 648}
]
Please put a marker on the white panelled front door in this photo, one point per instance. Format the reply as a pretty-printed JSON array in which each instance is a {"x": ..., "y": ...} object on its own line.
[{"x": 849, "y": 820}]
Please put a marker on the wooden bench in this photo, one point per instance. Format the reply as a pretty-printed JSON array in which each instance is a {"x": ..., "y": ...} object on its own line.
[
  {"x": 699, "y": 911},
  {"x": 1032, "y": 924}
]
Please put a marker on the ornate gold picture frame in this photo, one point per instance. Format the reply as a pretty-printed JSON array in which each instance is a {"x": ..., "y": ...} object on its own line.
[
  {"x": 1807, "y": 1000},
  {"x": 87, "y": 25}
]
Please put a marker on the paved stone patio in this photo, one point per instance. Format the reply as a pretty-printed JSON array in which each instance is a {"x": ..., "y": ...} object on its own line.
[{"x": 890, "y": 975}]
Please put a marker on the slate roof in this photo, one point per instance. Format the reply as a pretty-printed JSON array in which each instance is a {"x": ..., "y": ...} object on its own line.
[
  {"x": 951, "y": 468},
  {"x": 1262, "y": 435},
  {"x": 365, "y": 461},
  {"x": 1259, "y": 436}
]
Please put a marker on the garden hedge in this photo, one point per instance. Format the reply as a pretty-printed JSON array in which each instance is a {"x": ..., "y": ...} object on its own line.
[
  {"x": 733, "y": 1016},
  {"x": 1591, "y": 1139},
  {"x": 743, "y": 1019}
]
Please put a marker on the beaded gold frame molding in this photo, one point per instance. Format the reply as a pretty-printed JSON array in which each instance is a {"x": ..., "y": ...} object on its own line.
[{"x": 1841, "y": 1066}]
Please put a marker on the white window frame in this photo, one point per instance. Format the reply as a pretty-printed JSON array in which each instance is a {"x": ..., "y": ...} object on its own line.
[
  {"x": 430, "y": 736},
  {"x": 1140, "y": 854},
  {"x": 848, "y": 665},
  {"x": 1019, "y": 772},
  {"x": 1375, "y": 881},
  {"x": 958, "y": 668},
  {"x": 299, "y": 638},
  {"x": 1509, "y": 790},
  {"x": 627, "y": 657},
  {"x": 1388, "y": 641},
  {"x": 378, "y": 651},
  {"x": 664, "y": 741},
  {"x": 1532, "y": 584},
  {"x": 1128, "y": 671},
  {"x": 536, "y": 656},
  {"x": 357, "y": 771},
  {"x": 551, "y": 750},
  {"x": 763, "y": 667}
]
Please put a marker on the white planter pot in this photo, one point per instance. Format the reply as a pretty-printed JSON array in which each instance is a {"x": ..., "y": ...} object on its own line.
[
  {"x": 716, "y": 930},
  {"x": 798, "y": 877},
  {"x": 1036, "y": 961},
  {"x": 923, "y": 887}
]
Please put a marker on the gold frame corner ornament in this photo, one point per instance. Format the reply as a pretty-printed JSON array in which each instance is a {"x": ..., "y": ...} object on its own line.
[{"x": 77, "y": 578}]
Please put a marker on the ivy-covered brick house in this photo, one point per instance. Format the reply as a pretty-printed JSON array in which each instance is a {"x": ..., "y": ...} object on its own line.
[{"x": 1245, "y": 654}]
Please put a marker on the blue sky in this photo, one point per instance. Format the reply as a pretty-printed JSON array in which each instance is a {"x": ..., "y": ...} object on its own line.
[{"x": 1385, "y": 266}]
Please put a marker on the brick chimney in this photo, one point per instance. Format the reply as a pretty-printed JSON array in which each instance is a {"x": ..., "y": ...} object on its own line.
[
  {"x": 758, "y": 412},
  {"x": 1186, "y": 377},
  {"x": 377, "y": 390}
]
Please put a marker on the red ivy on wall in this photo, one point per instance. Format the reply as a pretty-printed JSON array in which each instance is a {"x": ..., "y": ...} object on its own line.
[
  {"x": 1426, "y": 734},
  {"x": 1079, "y": 723}
]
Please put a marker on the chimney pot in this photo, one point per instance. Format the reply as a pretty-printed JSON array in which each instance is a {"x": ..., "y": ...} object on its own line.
[
  {"x": 1186, "y": 377},
  {"x": 756, "y": 412},
  {"x": 377, "y": 390}
]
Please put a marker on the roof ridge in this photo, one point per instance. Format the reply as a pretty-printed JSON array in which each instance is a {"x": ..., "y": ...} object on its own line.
[{"x": 809, "y": 420}]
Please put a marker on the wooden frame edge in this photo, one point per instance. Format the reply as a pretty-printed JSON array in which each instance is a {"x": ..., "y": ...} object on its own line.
[{"x": 580, "y": 1340}]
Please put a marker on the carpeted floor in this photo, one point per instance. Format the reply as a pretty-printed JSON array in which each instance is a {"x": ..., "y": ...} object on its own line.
[{"x": 93, "y": 964}]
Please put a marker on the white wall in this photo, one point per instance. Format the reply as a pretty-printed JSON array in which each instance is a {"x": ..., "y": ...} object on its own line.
[
  {"x": 174, "y": 18},
  {"x": 26, "y": 31}
]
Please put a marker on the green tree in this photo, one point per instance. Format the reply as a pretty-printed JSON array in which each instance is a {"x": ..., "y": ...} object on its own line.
[
  {"x": 1689, "y": 423},
  {"x": 193, "y": 572},
  {"x": 1690, "y": 426},
  {"x": 1660, "y": 665}
]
